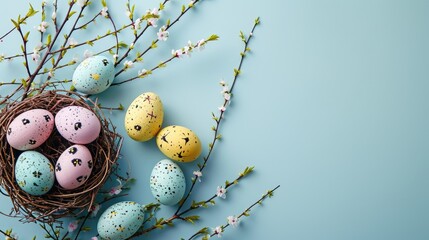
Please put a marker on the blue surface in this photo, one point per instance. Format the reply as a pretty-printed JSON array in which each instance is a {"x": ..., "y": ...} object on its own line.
[{"x": 332, "y": 105}]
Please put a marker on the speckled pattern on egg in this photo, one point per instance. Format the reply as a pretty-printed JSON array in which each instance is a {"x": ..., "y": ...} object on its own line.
[
  {"x": 78, "y": 124},
  {"x": 34, "y": 173},
  {"x": 179, "y": 143},
  {"x": 94, "y": 75},
  {"x": 167, "y": 182},
  {"x": 30, "y": 129},
  {"x": 144, "y": 117},
  {"x": 74, "y": 167},
  {"x": 120, "y": 221}
]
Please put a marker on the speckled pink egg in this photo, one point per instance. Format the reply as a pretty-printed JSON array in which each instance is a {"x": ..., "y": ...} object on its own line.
[
  {"x": 30, "y": 129},
  {"x": 78, "y": 124},
  {"x": 73, "y": 167}
]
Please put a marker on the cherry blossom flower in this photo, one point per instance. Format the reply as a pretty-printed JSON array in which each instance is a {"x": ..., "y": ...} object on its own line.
[
  {"x": 94, "y": 209},
  {"x": 136, "y": 24},
  {"x": 51, "y": 74},
  {"x": 104, "y": 12},
  {"x": 88, "y": 54},
  {"x": 128, "y": 13},
  {"x": 200, "y": 45},
  {"x": 198, "y": 174},
  {"x": 227, "y": 96},
  {"x": 177, "y": 53},
  {"x": 152, "y": 21},
  {"x": 81, "y": 3},
  {"x": 162, "y": 34},
  {"x": 129, "y": 64},
  {"x": 54, "y": 15},
  {"x": 42, "y": 27},
  {"x": 115, "y": 56},
  {"x": 35, "y": 56},
  {"x": 221, "y": 192},
  {"x": 73, "y": 226},
  {"x": 116, "y": 190},
  {"x": 142, "y": 72},
  {"x": 233, "y": 221},
  {"x": 218, "y": 231},
  {"x": 222, "y": 83},
  {"x": 187, "y": 51},
  {"x": 222, "y": 108},
  {"x": 94, "y": 238}
]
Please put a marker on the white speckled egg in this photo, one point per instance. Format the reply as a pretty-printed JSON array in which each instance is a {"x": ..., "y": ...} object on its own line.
[
  {"x": 30, "y": 129},
  {"x": 34, "y": 173},
  {"x": 78, "y": 124},
  {"x": 167, "y": 182},
  {"x": 120, "y": 221},
  {"x": 94, "y": 75},
  {"x": 144, "y": 117},
  {"x": 179, "y": 143},
  {"x": 73, "y": 167}
]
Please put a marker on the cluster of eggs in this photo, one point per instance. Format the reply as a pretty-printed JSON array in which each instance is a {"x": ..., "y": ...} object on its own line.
[
  {"x": 34, "y": 172},
  {"x": 143, "y": 121}
]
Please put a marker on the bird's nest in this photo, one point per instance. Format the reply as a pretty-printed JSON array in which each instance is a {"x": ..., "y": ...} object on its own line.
[{"x": 58, "y": 202}]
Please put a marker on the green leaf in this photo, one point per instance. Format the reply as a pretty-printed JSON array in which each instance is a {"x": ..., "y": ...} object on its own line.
[
  {"x": 71, "y": 14},
  {"x": 48, "y": 39},
  {"x": 161, "y": 6},
  {"x": 257, "y": 21},
  {"x": 183, "y": 8},
  {"x": 236, "y": 72},
  {"x": 31, "y": 12},
  {"x": 26, "y": 36},
  {"x": 153, "y": 45},
  {"x": 192, "y": 219},
  {"x": 15, "y": 23},
  {"x": 213, "y": 37},
  {"x": 103, "y": 2}
]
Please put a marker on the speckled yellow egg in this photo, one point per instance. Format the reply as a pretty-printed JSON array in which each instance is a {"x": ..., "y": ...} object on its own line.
[
  {"x": 144, "y": 117},
  {"x": 179, "y": 143}
]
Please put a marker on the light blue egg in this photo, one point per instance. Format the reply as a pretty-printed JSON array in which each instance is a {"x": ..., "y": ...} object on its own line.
[
  {"x": 34, "y": 173},
  {"x": 120, "y": 221},
  {"x": 94, "y": 75},
  {"x": 167, "y": 182}
]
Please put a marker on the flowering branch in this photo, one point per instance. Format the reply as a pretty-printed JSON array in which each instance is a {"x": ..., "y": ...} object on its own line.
[
  {"x": 218, "y": 119},
  {"x": 175, "y": 54},
  {"x": 160, "y": 223},
  {"x": 232, "y": 220}
]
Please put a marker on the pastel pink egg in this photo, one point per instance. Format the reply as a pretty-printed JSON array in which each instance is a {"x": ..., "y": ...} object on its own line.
[
  {"x": 30, "y": 129},
  {"x": 78, "y": 124},
  {"x": 74, "y": 166}
]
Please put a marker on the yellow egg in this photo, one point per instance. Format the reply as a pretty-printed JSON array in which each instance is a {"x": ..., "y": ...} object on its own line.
[
  {"x": 179, "y": 143},
  {"x": 144, "y": 117}
]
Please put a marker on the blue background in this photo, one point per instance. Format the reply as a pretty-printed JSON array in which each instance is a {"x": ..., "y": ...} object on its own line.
[{"x": 332, "y": 104}]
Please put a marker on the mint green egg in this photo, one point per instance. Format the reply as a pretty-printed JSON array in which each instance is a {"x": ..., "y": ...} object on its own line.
[
  {"x": 34, "y": 173},
  {"x": 120, "y": 221},
  {"x": 94, "y": 75}
]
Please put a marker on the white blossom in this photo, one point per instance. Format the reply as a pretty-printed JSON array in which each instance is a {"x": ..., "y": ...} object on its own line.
[
  {"x": 222, "y": 83},
  {"x": 115, "y": 56},
  {"x": 162, "y": 34},
  {"x": 187, "y": 51},
  {"x": 200, "y": 44},
  {"x": 51, "y": 74},
  {"x": 227, "y": 96},
  {"x": 81, "y": 3},
  {"x": 221, "y": 192},
  {"x": 35, "y": 56},
  {"x": 233, "y": 221},
  {"x": 177, "y": 53},
  {"x": 54, "y": 15},
  {"x": 136, "y": 24},
  {"x": 222, "y": 108},
  {"x": 73, "y": 226},
  {"x": 128, "y": 64},
  {"x": 94, "y": 238},
  {"x": 198, "y": 174},
  {"x": 152, "y": 21},
  {"x": 104, "y": 12},
  {"x": 218, "y": 231},
  {"x": 94, "y": 209},
  {"x": 116, "y": 190},
  {"x": 142, "y": 72},
  {"x": 42, "y": 27},
  {"x": 128, "y": 13}
]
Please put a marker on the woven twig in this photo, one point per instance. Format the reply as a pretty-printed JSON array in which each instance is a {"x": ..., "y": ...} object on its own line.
[{"x": 57, "y": 202}]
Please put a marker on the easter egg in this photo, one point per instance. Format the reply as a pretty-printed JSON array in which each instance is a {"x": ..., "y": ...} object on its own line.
[
  {"x": 34, "y": 173},
  {"x": 94, "y": 75},
  {"x": 30, "y": 129},
  {"x": 120, "y": 221},
  {"x": 73, "y": 167},
  {"x": 179, "y": 143},
  {"x": 144, "y": 117},
  {"x": 78, "y": 124},
  {"x": 167, "y": 182}
]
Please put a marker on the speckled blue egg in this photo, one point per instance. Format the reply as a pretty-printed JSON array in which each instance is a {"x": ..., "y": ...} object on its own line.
[
  {"x": 120, "y": 221},
  {"x": 34, "y": 173},
  {"x": 94, "y": 75},
  {"x": 167, "y": 182}
]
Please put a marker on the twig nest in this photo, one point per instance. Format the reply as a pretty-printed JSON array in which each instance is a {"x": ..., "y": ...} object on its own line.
[{"x": 59, "y": 201}]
